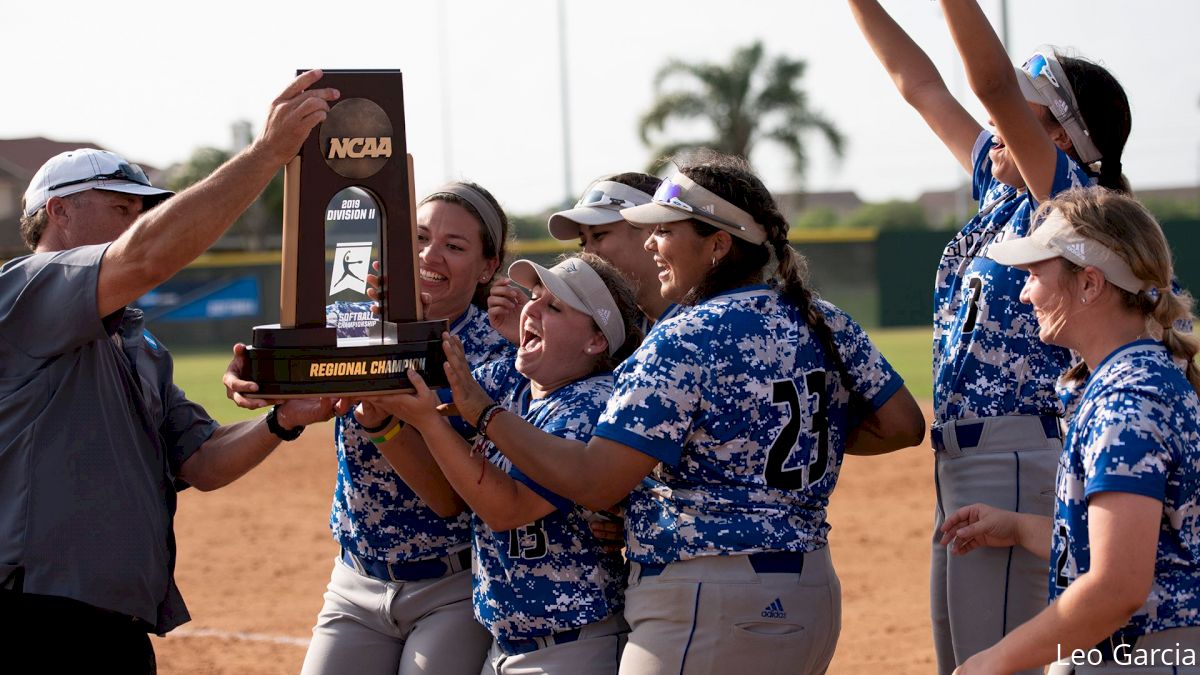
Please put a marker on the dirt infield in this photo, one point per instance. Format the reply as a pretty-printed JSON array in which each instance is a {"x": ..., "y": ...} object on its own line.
[{"x": 254, "y": 559}]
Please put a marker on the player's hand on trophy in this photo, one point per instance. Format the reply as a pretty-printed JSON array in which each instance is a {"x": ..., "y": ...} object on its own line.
[
  {"x": 375, "y": 292},
  {"x": 368, "y": 414},
  {"x": 504, "y": 308},
  {"x": 419, "y": 408},
  {"x": 980, "y": 525},
  {"x": 375, "y": 288},
  {"x": 293, "y": 115},
  {"x": 469, "y": 398}
]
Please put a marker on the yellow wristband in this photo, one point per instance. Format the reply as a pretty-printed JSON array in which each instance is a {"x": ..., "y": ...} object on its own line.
[{"x": 389, "y": 434}]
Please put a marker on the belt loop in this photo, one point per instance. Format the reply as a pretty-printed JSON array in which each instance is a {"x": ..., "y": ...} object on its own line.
[
  {"x": 455, "y": 563},
  {"x": 950, "y": 445},
  {"x": 355, "y": 563}
]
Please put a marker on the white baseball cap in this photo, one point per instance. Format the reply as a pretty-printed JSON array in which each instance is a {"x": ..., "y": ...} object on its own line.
[
  {"x": 88, "y": 169},
  {"x": 1055, "y": 238},
  {"x": 600, "y": 204},
  {"x": 575, "y": 282}
]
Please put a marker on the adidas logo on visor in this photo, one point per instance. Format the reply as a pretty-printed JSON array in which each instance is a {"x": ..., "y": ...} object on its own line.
[
  {"x": 603, "y": 315},
  {"x": 1076, "y": 248}
]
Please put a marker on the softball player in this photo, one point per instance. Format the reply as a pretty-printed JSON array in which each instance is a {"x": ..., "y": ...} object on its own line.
[
  {"x": 544, "y": 587},
  {"x": 997, "y": 416},
  {"x": 398, "y": 553},
  {"x": 1124, "y": 542},
  {"x": 729, "y": 424}
]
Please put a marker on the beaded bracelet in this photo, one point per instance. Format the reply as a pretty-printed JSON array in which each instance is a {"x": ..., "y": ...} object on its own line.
[
  {"x": 486, "y": 417},
  {"x": 389, "y": 435},
  {"x": 378, "y": 428}
]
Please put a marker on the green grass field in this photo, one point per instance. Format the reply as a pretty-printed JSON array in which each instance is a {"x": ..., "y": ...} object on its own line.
[
  {"x": 199, "y": 372},
  {"x": 909, "y": 350}
]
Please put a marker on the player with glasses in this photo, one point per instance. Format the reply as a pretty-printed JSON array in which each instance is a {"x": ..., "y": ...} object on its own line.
[{"x": 1057, "y": 123}]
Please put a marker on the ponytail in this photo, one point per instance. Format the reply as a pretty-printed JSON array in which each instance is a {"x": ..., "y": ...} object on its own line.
[
  {"x": 1173, "y": 314},
  {"x": 790, "y": 282},
  {"x": 1105, "y": 110}
]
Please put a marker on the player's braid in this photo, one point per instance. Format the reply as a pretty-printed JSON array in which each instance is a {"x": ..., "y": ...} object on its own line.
[
  {"x": 1173, "y": 312},
  {"x": 790, "y": 280},
  {"x": 1105, "y": 109}
]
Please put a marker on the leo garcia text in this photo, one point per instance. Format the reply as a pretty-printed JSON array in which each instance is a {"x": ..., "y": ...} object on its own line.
[{"x": 1127, "y": 655}]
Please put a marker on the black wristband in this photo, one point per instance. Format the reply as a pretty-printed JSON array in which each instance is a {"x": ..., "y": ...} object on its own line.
[
  {"x": 387, "y": 421},
  {"x": 483, "y": 413},
  {"x": 486, "y": 417},
  {"x": 274, "y": 427}
]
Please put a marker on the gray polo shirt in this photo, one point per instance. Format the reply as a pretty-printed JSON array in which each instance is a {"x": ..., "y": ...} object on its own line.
[{"x": 92, "y": 435}]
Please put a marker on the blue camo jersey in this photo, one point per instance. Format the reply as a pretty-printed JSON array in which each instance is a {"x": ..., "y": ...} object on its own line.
[
  {"x": 987, "y": 359},
  {"x": 552, "y": 574},
  {"x": 748, "y": 416},
  {"x": 1137, "y": 430},
  {"x": 375, "y": 515}
]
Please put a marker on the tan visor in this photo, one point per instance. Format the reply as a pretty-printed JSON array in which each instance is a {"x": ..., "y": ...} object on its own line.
[{"x": 1055, "y": 238}]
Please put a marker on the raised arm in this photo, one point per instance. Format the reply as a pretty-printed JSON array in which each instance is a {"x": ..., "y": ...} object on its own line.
[
  {"x": 918, "y": 80},
  {"x": 165, "y": 239},
  {"x": 993, "y": 80}
]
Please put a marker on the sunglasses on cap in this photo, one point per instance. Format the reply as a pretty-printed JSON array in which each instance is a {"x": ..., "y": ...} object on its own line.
[
  {"x": 1057, "y": 95},
  {"x": 603, "y": 200},
  {"x": 127, "y": 172},
  {"x": 1039, "y": 66},
  {"x": 668, "y": 194}
]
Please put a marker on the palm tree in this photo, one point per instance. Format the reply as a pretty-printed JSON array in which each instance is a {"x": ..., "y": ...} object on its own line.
[{"x": 746, "y": 101}]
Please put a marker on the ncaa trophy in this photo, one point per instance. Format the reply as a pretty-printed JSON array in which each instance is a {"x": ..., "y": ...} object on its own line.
[{"x": 350, "y": 187}]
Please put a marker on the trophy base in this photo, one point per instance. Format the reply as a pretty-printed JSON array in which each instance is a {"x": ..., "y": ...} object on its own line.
[{"x": 311, "y": 371}]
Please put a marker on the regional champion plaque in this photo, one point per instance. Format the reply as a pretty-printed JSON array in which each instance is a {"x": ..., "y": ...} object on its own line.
[{"x": 348, "y": 200}]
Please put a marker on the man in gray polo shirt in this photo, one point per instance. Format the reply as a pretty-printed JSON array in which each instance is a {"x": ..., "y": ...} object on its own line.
[{"x": 95, "y": 439}]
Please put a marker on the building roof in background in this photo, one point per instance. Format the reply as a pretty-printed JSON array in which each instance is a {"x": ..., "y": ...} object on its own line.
[
  {"x": 841, "y": 202},
  {"x": 28, "y": 154}
]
